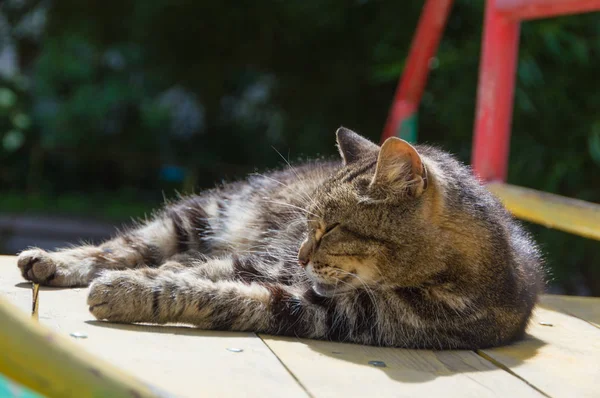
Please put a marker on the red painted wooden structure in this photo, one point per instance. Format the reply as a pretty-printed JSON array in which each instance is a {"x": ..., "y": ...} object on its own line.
[
  {"x": 500, "y": 46},
  {"x": 424, "y": 46}
]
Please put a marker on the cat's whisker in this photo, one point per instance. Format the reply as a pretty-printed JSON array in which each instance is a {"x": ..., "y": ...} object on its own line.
[
  {"x": 297, "y": 191},
  {"x": 288, "y": 163},
  {"x": 295, "y": 173},
  {"x": 292, "y": 206}
]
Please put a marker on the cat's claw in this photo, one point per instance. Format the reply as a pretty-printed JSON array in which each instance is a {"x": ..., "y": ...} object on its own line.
[{"x": 37, "y": 266}]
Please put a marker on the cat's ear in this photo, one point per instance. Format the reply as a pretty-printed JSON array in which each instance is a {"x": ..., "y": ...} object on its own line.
[
  {"x": 352, "y": 146},
  {"x": 400, "y": 168}
]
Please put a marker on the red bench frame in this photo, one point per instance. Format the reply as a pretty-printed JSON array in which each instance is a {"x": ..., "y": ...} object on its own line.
[{"x": 495, "y": 92}]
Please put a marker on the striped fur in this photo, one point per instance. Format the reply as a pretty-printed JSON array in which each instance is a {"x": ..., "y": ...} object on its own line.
[{"x": 398, "y": 246}]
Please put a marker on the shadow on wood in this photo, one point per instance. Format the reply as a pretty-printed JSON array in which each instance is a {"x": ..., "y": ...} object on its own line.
[
  {"x": 27, "y": 285},
  {"x": 175, "y": 329},
  {"x": 414, "y": 366}
]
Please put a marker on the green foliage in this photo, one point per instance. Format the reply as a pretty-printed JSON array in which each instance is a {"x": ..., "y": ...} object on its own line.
[
  {"x": 116, "y": 206},
  {"x": 114, "y": 91}
]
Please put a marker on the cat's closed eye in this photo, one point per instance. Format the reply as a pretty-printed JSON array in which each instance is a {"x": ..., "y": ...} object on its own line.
[
  {"x": 330, "y": 228},
  {"x": 321, "y": 232}
]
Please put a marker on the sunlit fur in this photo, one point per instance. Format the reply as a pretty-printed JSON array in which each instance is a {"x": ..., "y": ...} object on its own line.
[{"x": 393, "y": 246}]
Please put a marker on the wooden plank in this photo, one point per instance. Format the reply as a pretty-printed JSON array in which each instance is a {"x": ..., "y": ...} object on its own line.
[
  {"x": 181, "y": 360},
  {"x": 553, "y": 211},
  {"x": 559, "y": 360},
  {"x": 329, "y": 369},
  {"x": 586, "y": 308},
  {"x": 51, "y": 364},
  {"x": 561, "y": 356}
]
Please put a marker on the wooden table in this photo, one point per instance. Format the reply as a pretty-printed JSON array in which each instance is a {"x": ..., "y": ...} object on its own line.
[{"x": 559, "y": 358}]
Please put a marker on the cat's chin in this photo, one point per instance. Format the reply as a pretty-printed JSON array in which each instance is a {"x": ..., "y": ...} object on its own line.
[{"x": 329, "y": 290}]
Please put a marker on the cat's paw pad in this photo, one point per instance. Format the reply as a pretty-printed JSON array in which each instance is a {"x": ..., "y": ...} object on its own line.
[
  {"x": 118, "y": 296},
  {"x": 37, "y": 266}
]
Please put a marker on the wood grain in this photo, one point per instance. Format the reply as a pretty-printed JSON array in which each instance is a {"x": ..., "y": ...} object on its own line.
[
  {"x": 183, "y": 361},
  {"x": 329, "y": 369},
  {"x": 586, "y": 308},
  {"x": 562, "y": 358}
]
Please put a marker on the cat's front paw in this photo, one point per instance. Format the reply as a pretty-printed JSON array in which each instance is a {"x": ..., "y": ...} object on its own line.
[
  {"x": 59, "y": 268},
  {"x": 121, "y": 296},
  {"x": 37, "y": 265}
]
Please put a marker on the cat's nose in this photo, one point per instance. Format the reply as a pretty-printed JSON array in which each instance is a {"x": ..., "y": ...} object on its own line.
[
  {"x": 304, "y": 255},
  {"x": 303, "y": 263},
  {"x": 303, "y": 259}
]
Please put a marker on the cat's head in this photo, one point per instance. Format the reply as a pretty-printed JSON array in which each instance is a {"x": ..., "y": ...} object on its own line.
[{"x": 369, "y": 224}]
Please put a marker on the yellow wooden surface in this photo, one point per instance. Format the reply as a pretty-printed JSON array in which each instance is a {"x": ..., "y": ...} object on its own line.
[
  {"x": 561, "y": 356},
  {"x": 180, "y": 360},
  {"x": 342, "y": 370},
  {"x": 559, "y": 361},
  {"x": 67, "y": 372},
  {"x": 553, "y": 211},
  {"x": 586, "y": 308}
]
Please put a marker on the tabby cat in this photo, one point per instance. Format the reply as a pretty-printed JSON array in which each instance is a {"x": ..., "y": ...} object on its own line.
[{"x": 394, "y": 246}]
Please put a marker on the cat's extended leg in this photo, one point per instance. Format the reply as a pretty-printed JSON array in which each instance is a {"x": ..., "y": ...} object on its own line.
[
  {"x": 77, "y": 266},
  {"x": 177, "y": 229},
  {"x": 156, "y": 296},
  {"x": 244, "y": 268},
  {"x": 378, "y": 316}
]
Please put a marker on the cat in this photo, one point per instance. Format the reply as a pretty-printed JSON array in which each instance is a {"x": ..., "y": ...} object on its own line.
[{"x": 393, "y": 246}]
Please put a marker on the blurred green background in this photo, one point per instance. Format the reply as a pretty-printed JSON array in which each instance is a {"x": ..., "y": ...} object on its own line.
[{"x": 107, "y": 107}]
